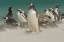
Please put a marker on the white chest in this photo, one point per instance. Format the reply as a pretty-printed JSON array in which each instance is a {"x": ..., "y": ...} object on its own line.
[
  {"x": 57, "y": 11},
  {"x": 31, "y": 14},
  {"x": 47, "y": 13},
  {"x": 21, "y": 17}
]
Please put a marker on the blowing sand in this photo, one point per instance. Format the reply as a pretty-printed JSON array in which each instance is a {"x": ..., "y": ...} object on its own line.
[{"x": 20, "y": 35}]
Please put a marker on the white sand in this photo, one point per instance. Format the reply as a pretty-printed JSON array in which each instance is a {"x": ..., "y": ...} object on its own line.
[{"x": 47, "y": 35}]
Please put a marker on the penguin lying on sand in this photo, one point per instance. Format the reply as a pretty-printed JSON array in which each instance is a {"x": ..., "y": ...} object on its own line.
[{"x": 11, "y": 22}]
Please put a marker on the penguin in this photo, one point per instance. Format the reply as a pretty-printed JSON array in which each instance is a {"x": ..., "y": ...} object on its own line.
[
  {"x": 58, "y": 12},
  {"x": 11, "y": 22},
  {"x": 52, "y": 15},
  {"x": 32, "y": 19},
  {"x": 22, "y": 17},
  {"x": 46, "y": 11},
  {"x": 57, "y": 9}
]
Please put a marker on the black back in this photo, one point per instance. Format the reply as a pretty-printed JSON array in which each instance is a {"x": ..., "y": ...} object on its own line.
[{"x": 10, "y": 14}]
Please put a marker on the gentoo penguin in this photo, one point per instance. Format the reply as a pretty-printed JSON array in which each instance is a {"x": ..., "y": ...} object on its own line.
[
  {"x": 51, "y": 14},
  {"x": 22, "y": 17},
  {"x": 32, "y": 19},
  {"x": 10, "y": 12},
  {"x": 58, "y": 12},
  {"x": 52, "y": 17},
  {"x": 11, "y": 22},
  {"x": 46, "y": 11},
  {"x": 54, "y": 14},
  {"x": 9, "y": 18}
]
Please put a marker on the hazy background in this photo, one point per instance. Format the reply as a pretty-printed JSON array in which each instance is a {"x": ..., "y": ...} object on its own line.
[{"x": 39, "y": 4}]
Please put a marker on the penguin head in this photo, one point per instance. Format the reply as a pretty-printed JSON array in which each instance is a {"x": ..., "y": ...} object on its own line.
[
  {"x": 19, "y": 10},
  {"x": 57, "y": 5},
  {"x": 45, "y": 10},
  {"x": 6, "y": 18},
  {"x": 10, "y": 7},
  {"x": 50, "y": 9},
  {"x": 30, "y": 5}
]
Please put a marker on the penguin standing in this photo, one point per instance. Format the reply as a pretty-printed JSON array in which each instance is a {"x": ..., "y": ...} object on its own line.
[
  {"x": 58, "y": 12},
  {"x": 22, "y": 17},
  {"x": 32, "y": 19},
  {"x": 52, "y": 15},
  {"x": 47, "y": 13},
  {"x": 11, "y": 22}
]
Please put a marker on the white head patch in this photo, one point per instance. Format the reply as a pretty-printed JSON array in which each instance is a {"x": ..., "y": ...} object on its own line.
[
  {"x": 31, "y": 4},
  {"x": 46, "y": 9},
  {"x": 6, "y": 18},
  {"x": 51, "y": 9}
]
